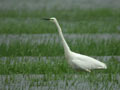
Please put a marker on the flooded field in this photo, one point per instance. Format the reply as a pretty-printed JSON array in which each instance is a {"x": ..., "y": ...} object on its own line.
[
  {"x": 54, "y": 38},
  {"x": 39, "y": 82},
  {"x": 31, "y": 53},
  {"x": 41, "y": 4},
  {"x": 53, "y": 73}
]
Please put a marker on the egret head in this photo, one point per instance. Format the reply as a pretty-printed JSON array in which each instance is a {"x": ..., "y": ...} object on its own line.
[{"x": 50, "y": 19}]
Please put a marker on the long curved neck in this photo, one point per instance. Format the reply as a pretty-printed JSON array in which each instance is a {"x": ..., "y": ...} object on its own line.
[{"x": 66, "y": 47}]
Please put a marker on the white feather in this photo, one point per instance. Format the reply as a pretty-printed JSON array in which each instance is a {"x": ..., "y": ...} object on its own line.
[{"x": 78, "y": 61}]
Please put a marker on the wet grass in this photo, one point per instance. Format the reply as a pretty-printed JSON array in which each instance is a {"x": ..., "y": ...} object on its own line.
[
  {"x": 76, "y": 14},
  {"x": 55, "y": 66},
  {"x": 72, "y": 21},
  {"x": 34, "y": 67},
  {"x": 102, "y": 81},
  {"x": 54, "y": 70},
  {"x": 87, "y": 47}
]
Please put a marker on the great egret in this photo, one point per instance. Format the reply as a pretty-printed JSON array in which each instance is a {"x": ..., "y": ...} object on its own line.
[{"x": 77, "y": 61}]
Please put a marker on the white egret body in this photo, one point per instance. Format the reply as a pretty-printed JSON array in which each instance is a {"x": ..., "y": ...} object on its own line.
[{"x": 78, "y": 61}]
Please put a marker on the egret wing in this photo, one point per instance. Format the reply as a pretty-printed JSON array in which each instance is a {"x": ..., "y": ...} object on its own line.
[
  {"x": 90, "y": 62},
  {"x": 78, "y": 64}
]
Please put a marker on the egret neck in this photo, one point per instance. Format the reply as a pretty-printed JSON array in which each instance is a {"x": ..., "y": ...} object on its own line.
[{"x": 66, "y": 47}]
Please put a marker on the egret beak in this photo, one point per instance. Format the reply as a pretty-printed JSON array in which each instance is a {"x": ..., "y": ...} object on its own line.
[{"x": 45, "y": 19}]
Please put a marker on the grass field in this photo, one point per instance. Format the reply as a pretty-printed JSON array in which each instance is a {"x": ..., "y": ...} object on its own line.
[
  {"x": 93, "y": 32},
  {"x": 79, "y": 21}
]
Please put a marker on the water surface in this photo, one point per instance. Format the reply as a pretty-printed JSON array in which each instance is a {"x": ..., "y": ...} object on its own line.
[
  {"x": 77, "y": 82},
  {"x": 54, "y": 38}
]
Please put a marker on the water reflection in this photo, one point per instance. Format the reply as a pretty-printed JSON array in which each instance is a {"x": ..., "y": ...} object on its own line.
[
  {"x": 45, "y": 4},
  {"x": 36, "y": 59},
  {"x": 77, "y": 82},
  {"x": 54, "y": 38}
]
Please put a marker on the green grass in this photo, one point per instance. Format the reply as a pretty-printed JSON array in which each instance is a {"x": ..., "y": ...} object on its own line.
[
  {"x": 77, "y": 14},
  {"x": 87, "y": 47},
  {"x": 72, "y": 21},
  {"x": 35, "y": 67},
  {"x": 55, "y": 66},
  {"x": 56, "y": 69},
  {"x": 94, "y": 81},
  {"x": 40, "y": 73}
]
